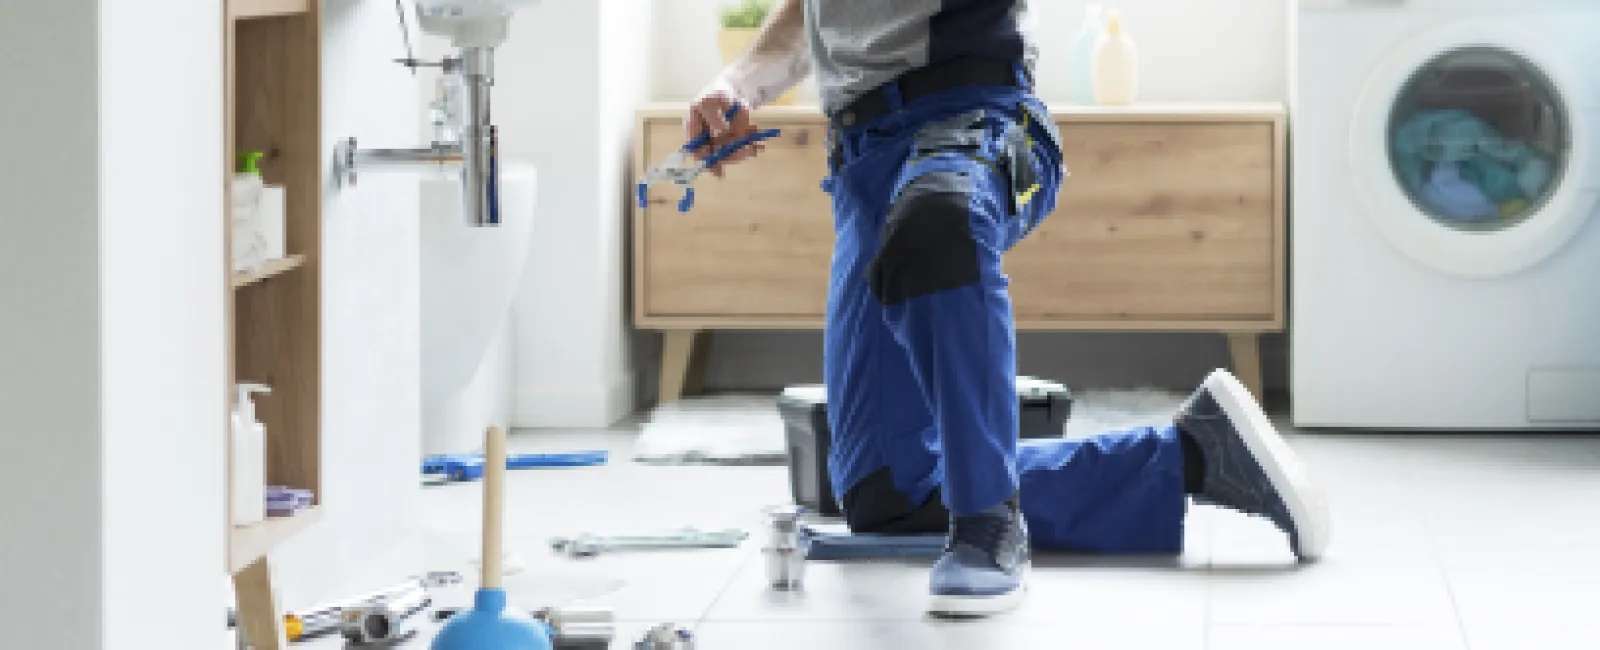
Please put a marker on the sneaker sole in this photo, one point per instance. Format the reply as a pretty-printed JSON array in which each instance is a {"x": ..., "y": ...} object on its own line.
[
  {"x": 973, "y": 606},
  {"x": 1306, "y": 505}
]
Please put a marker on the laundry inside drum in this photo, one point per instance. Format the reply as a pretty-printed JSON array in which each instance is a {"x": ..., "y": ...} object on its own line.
[{"x": 1479, "y": 139}]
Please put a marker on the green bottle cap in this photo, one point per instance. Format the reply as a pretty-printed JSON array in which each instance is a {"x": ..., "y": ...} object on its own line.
[{"x": 248, "y": 160}]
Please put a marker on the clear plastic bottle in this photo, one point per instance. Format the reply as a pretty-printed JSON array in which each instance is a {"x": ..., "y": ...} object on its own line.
[{"x": 1080, "y": 75}]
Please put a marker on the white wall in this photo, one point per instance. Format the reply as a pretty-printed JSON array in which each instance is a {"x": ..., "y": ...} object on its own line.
[
  {"x": 371, "y": 396},
  {"x": 1190, "y": 51},
  {"x": 563, "y": 92},
  {"x": 112, "y": 357},
  {"x": 627, "y": 51},
  {"x": 50, "y": 327},
  {"x": 163, "y": 373}
]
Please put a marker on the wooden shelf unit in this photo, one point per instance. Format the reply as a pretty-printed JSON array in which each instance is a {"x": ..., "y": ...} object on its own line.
[
  {"x": 256, "y": 9},
  {"x": 268, "y": 270},
  {"x": 249, "y": 543},
  {"x": 273, "y": 85}
]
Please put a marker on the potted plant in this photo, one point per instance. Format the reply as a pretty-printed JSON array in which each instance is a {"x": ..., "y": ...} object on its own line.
[{"x": 740, "y": 22}]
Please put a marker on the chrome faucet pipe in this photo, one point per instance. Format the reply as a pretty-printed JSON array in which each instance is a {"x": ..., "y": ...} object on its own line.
[
  {"x": 442, "y": 157},
  {"x": 480, "y": 170},
  {"x": 473, "y": 154}
]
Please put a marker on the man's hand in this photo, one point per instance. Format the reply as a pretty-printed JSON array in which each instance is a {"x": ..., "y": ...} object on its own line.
[
  {"x": 776, "y": 61},
  {"x": 708, "y": 113}
]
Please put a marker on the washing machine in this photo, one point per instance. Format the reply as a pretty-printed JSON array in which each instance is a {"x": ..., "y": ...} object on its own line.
[{"x": 1445, "y": 255}]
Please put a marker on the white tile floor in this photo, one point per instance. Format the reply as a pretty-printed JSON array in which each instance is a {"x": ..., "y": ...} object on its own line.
[{"x": 1441, "y": 543}]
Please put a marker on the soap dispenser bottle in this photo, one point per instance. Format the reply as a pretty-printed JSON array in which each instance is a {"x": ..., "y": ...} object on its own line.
[
  {"x": 1080, "y": 76},
  {"x": 248, "y": 249},
  {"x": 249, "y": 458},
  {"x": 1116, "y": 65}
]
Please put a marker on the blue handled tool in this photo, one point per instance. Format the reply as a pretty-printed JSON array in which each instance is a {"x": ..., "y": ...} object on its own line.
[
  {"x": 681, "y": 168},
  {"x": 826, "y": 544},
  {"x": 469, "y": 467}
]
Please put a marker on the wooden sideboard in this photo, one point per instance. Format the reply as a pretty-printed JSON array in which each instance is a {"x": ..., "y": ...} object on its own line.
[{"x": 1172, "y": 219}]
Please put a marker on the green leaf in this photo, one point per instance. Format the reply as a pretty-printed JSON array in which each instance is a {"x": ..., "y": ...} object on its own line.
[{"x": 747, "y": 14}]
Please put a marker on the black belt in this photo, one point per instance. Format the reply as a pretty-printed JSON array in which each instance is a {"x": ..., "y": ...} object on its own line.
[{"x": 925, "y": 81}]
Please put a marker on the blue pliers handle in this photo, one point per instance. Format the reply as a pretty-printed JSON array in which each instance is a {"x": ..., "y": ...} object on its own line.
[
  {"x": 703, "y": 138},
  {"x": 681, "y": 172},
  {"x": 468, "y": 467}
]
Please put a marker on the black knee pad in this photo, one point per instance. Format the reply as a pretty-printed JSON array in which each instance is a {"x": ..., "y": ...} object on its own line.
[
  {"x": 875, "y": 506},
  {"x": 927, "y": 244}
]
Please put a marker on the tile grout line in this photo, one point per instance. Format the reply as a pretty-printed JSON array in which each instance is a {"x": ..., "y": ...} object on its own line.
[
  {"x": 733, "y": 578},
  {"x": 1435, "y": 550},
  {"x": 1211, "y": 582}
]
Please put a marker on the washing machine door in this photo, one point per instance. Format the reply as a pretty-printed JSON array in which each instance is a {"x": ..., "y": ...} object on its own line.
[{"x": 1469, "y": 151}]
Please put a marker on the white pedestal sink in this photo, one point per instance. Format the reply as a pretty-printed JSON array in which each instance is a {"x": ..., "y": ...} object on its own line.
[{"x": 470, "y": 277}]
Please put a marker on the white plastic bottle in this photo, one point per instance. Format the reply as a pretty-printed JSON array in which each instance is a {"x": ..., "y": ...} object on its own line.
[
  {"x": 249, "y": 458},
  {"x": 1080, "y": 75},
  {"x": 247, "y": 251},
  {"x": 1116, "y": 65},
  {"x": 270, "y": 211}
]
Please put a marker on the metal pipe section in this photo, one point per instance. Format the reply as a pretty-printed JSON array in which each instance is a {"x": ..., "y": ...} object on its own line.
[
  {"x": 440, "y": 158},
  {"x": 480, "y": 169}
]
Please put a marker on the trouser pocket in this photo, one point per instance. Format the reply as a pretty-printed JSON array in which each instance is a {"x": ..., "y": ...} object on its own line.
[{"x": 1021, "y": 149}]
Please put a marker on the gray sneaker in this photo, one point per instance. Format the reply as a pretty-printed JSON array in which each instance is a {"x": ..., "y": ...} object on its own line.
[
  {"x": 984, "y": 569},
  {"x": 1249, "y": 467}
]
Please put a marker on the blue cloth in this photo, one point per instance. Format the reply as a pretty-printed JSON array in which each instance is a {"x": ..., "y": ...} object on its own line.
[
  {"x": 1452, "y": 197},
  {"x": 919, "y": 344},
  {"x": 1493, "y": 179},
  {"x": 1499, "y": 170}
]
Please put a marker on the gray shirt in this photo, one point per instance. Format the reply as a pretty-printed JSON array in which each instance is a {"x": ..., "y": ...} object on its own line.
[{"x": 857, "y": 45}]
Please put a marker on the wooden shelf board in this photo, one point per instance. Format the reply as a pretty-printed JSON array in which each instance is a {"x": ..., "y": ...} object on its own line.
[
  {"x": 246, "y": 544},
  {"x": 253, "y": 9},
  {"x": 268, "y": 269}
]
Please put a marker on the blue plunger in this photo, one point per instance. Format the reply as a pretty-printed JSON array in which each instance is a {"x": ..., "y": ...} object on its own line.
[{"x": 489, "y": 625}]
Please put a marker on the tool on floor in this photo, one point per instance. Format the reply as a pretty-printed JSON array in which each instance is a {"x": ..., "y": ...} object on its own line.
[
  {"x": 469, "y": 467},
  {"x": 577, "y": 626},
  {"x": 666, "y": 636},
  {"x": 700, "y": 457},
  {"x": 328, "y": 618},
  {"x": 386, "y": 621},
  {"x": 570, "y": 626},
  {"x": 786, "y": 548},
  {"x": 824, "y": 543},
  {"x": 590, "y": 545},
  {"x": 681, "y": 168},
  {"x": 489, "y": 625}
]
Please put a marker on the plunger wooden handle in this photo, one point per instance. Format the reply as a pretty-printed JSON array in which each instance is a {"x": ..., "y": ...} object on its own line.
[{"x": 494, "y": 475}]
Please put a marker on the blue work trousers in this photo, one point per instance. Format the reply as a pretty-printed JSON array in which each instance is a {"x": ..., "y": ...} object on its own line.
[{"x": 920, "y": 346}]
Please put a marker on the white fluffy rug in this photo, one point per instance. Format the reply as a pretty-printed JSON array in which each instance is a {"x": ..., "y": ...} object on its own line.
[
  {"x": 721, "y": 429},
  {"x": 1115, "y": 410},
  {"x": 747, "y": 430}
]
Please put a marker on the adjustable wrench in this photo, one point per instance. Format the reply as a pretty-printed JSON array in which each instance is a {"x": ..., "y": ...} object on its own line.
[
  {"x": 681, "y": 168},
  {"x": 588, "y": 545}
]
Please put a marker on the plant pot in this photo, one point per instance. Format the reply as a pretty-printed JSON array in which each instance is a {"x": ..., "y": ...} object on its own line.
[{"x": 735, "y": 41}]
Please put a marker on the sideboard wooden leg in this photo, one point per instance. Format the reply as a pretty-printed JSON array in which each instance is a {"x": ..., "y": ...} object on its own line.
[
  {"x": 259, "y": 619},
  {"x": 694, "y": 379},
  {"x": 1245, "y": 347},
  {"x": 677, "y": 364}
]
